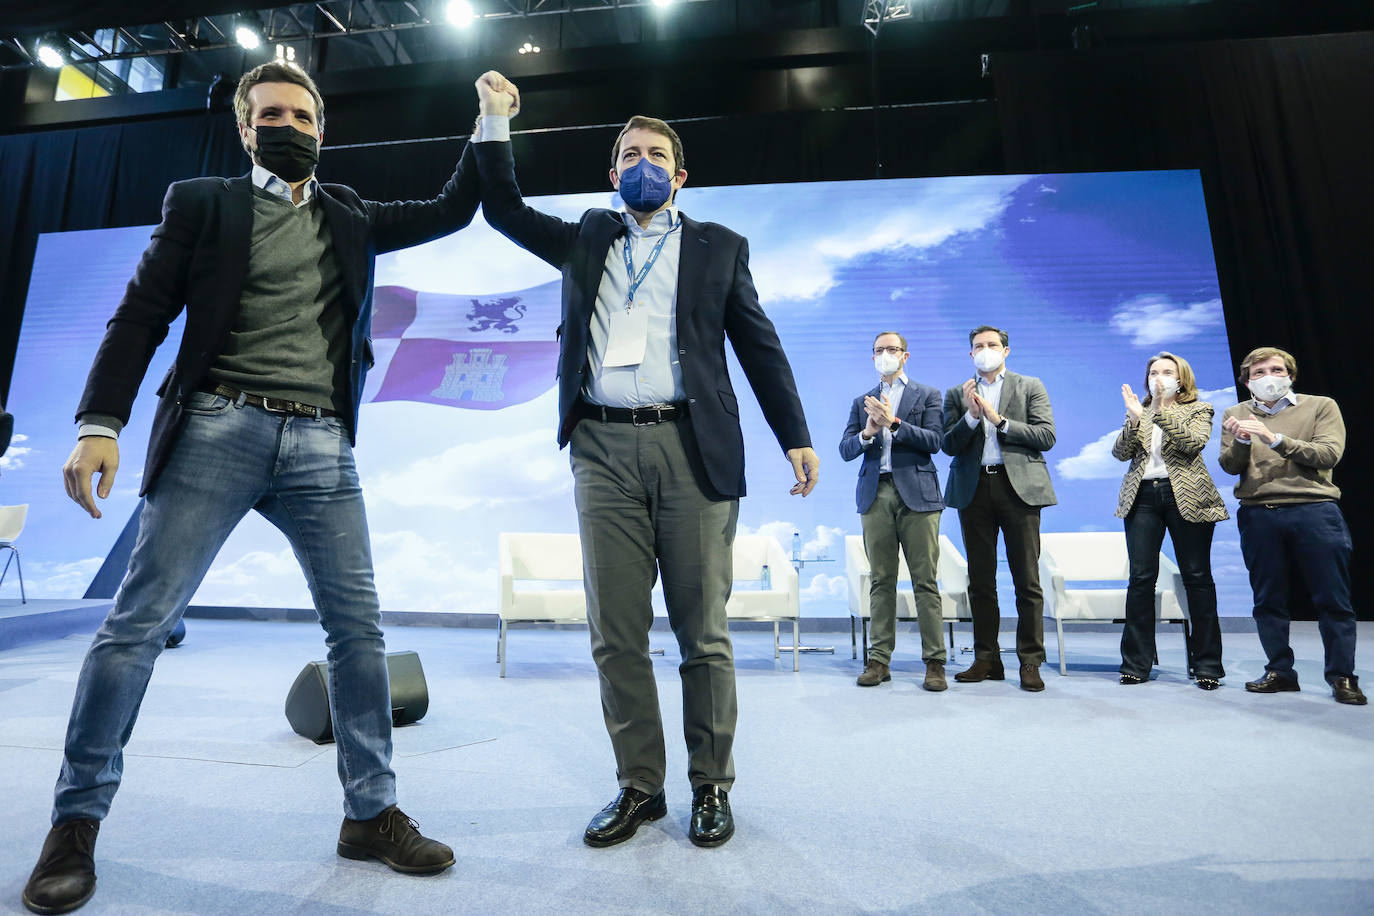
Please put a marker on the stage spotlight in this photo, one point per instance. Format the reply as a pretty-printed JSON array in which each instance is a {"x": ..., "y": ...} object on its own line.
[
  {"x": 50, "y": 52},
  {"x": 460, "y": 13},
  {"x": 529, "y": 47},
  {"x": 248, "y": 34}
]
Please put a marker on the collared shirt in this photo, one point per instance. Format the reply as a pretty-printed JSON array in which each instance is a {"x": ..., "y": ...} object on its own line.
[
  {"x": 893, "y": 393},
  {"x": 658, "y": 377},
  {"x": 992, "y": 393},
  {"x": 278, "y": 188}
]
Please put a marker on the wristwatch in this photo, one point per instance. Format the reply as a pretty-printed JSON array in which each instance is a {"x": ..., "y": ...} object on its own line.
[
  {"x": 1002, "y": 427},
  {"x": 894, "y": 424}
]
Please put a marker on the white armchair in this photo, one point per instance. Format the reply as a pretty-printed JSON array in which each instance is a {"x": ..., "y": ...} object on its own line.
[
  {"x": 1100, "y": 557},
  {"x": 546, "y": 559},
  {"x": 952, "y": 578},
  {"x": 779, "y": 597}
]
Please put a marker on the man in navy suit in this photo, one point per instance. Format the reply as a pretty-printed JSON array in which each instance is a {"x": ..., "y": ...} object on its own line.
[
  {"x": 274, "y": 270},
  {"x": 897, "y": 427},
  {"x": 644, "y": 398}
]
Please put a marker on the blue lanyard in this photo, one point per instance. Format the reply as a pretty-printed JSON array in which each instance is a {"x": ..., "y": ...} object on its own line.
[{"x": 634, "y": 280}]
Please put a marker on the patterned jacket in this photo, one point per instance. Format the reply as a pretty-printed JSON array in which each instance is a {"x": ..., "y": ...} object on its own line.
[{"x": 1186, "y": 427}]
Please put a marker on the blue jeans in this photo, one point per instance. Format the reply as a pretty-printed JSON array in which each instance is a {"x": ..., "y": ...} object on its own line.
[
  {"x": 299, "y": 473},
  {"x": 1314, "y": 539}
]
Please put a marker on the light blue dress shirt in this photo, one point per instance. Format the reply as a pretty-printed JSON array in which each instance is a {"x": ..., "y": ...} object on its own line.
[{"x": 893, "y": 393}]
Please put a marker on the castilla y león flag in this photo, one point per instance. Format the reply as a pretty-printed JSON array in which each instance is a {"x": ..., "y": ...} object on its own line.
[{"x": 482, "y": 352}]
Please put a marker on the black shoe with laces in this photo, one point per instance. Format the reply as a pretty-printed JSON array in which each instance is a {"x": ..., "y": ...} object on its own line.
[
  {"x": 64, "y": 877},
  {"x": 393, "y": 838}
]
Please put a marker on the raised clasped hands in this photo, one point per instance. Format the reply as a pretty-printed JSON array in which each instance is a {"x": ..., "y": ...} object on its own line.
[
  {"x": 972, "y": 401},
  {"x": 1247, "y": 430},
  {"x": 497, "y": 95},
  {"x": 879, "y": 412},
  {"x": 1132, "y": 403}
]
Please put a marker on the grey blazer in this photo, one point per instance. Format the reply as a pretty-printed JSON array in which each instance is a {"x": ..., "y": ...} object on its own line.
[{"x": 1030, "y": 431}]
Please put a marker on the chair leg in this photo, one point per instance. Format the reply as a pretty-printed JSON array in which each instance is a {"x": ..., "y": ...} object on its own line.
[
  {"x": 796, "y": 644},
  {"x": 864, "y": 630},
  {"x": 501, "y": 645},
  {"x": 14, "y": 558},
  {"x": 853, "y": 639},
  {"x": 775, "y": 640},
  {"x": 950, "y": 645},
  {"x": 1063, "y": 666}
]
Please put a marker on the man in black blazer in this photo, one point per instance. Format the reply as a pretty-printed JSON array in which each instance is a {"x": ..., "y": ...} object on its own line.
[
  {"x": 897, "y": 426},
  {"x": 644, "y": 399},
  {"x": 997, "y": 425},
  {"x": 260, "y": 412}
]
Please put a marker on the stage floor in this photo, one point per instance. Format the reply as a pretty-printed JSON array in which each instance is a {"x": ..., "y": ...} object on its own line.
[{"x": 1088, "y": 798}]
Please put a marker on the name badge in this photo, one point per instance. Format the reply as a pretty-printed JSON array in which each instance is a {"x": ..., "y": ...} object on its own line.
[{"x": 626, "y": 338}]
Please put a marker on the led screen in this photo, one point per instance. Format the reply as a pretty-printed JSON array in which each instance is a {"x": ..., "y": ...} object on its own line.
[{"x": 1089, "y": 273}]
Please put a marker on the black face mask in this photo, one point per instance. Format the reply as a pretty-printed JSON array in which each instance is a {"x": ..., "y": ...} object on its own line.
[{"x": 287, "y": 153}]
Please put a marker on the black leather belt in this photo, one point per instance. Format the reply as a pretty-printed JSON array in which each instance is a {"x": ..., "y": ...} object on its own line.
[
  {"x": 885, "y": 475},
  {"x": 992, "y": 468},
  {"x": 648, "y": 415},
  {"x": 272, "y": 405}
]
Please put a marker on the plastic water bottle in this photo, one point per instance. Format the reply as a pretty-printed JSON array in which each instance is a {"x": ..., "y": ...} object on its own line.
[
  {"x": 766, "y": 580},
  {"x": 796, "y": 546}
]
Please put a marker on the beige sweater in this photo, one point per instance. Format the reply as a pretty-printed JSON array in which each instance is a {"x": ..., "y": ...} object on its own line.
[{"x": 1298, "y": 469}]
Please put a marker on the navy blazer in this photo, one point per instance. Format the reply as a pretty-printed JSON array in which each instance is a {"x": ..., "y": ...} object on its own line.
[
  {"x": 715, "y": 300},
  {"x": 917, "y": 438},
  {"x": 198, "y": 258}
]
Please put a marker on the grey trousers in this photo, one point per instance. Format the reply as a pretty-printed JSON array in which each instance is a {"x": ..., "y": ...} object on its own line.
[
  {"x": 887, "y": 526},
  {"x": 641, "y": 511}
]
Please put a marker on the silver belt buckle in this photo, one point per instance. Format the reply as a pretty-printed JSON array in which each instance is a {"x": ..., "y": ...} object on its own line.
[{"x": 658, "y": 415}]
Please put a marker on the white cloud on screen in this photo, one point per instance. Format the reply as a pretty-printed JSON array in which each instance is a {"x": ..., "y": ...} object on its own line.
[
  {"x": 1094, "y": 461},
  {"x": 823, "y": 586},
  {"x": 59, "y": 580},
  {"x": 1152, "y": 320},
  {"x": 792, "y": 255}
]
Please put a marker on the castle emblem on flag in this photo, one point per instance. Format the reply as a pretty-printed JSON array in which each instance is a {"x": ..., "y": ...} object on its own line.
[
  {"x": 496, "y": 315},
  {"x": 474, "y": 375}
]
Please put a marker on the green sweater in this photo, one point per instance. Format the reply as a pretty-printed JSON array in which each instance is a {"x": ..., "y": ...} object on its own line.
[{"x": 1298, "y": 468}]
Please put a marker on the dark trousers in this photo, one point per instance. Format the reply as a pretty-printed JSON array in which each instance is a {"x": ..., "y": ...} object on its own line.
[
  {"x": 1155, "y": 512},
  {"x": 996, "y": 507},
  {"x": 1312, "y": 538}
]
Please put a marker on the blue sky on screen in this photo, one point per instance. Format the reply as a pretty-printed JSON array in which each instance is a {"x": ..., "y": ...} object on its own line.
[{"x": 1090, "y": 274}]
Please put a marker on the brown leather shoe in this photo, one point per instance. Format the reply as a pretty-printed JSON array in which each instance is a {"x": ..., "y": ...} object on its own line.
[
  {"x": 874, "y": 674},
  {"x": 394, "y": 839},
  {"x": 64, "y": 877},
  {"x": 1347, "y": 690},
  {"x": 981, "y": 670},
  {"x": 935, "y": 677},
  {"x": 1030, "y": 678}
]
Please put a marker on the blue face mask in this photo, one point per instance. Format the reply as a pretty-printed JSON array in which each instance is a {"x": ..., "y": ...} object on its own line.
[{"x": 645, "y": 187}]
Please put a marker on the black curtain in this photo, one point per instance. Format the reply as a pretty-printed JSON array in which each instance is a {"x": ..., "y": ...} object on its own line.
[{"x": 1282, "y": 133}]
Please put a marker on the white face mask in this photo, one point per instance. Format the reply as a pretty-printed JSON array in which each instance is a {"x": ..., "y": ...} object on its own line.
[
  {"x": 1165, "y": 386},
  {"x": 887, "y": 363},
  {"x": 1270, "y": 387},
  {"x": 987, "y": 359}
]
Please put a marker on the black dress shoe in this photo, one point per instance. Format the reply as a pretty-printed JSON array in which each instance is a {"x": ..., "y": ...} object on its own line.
[
  {"x": 391, "y": 837},
  {"x": 1208, "y": 683},
  {"x": 1133, "y": 679},
  {"x": 981, "y": 670},
  {"x": 712, "y": 822},
  {"x": 619, "y": 820},
  {"x": 1272, "y": 682},
  {"x": 1347, "y": 690},
  {"x": 64, "y": 877}
]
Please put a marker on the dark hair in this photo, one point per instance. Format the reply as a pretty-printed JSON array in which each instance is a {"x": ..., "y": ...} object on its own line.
[
  {"x": 983, "y": 328},
  {"x": 276, "y": 71},
  {"x": 894, "y": 334},
  {"x": 643, "y": 122}
]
